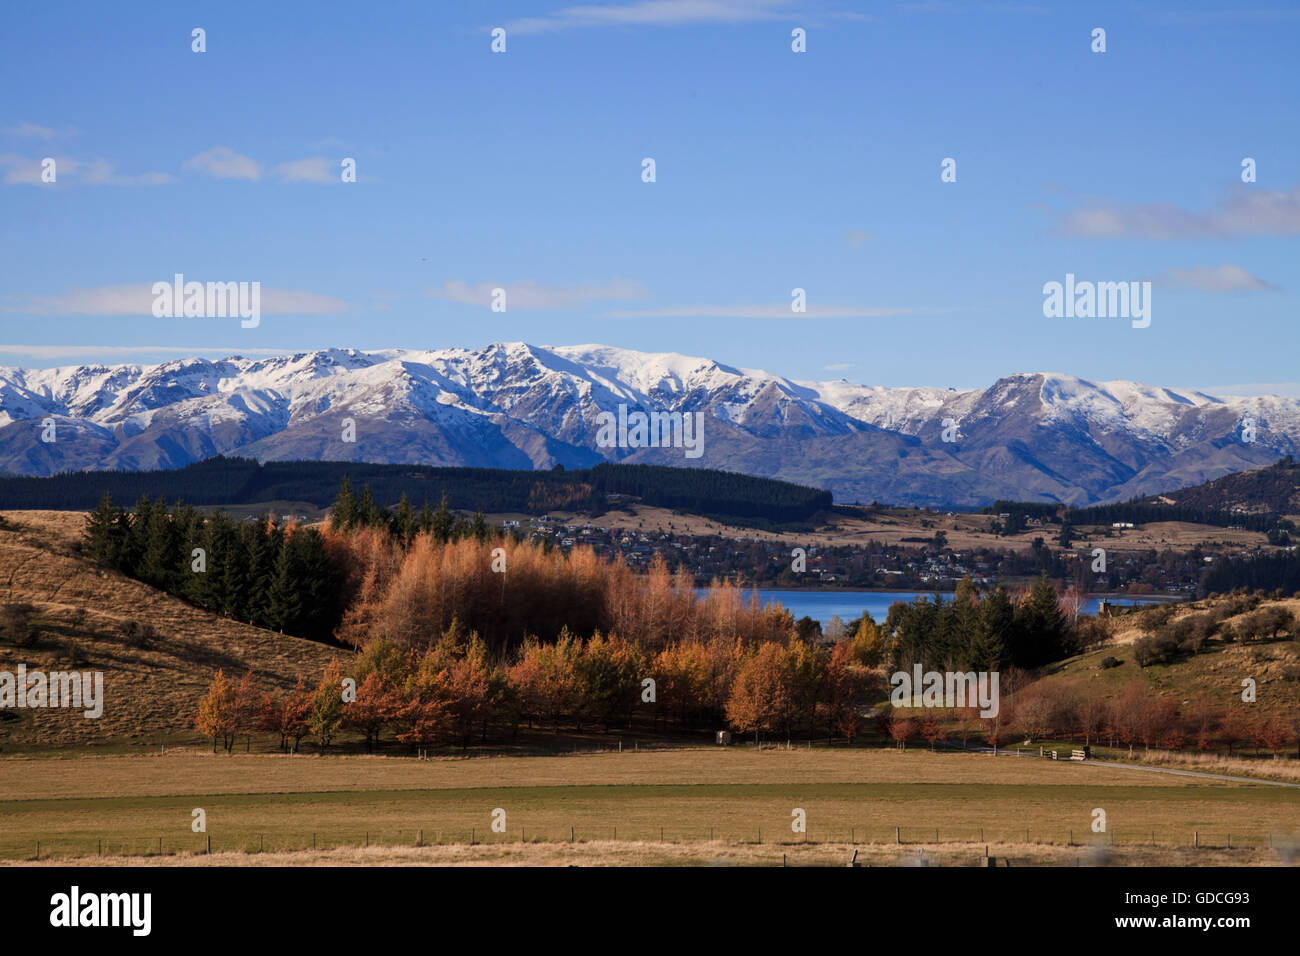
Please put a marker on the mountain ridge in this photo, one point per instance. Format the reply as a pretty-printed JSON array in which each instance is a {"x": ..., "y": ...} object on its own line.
[{"x": 1027, "y": 436}]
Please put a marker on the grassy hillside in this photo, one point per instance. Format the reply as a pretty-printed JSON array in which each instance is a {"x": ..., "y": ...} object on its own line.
[
  {"x": 89, "y": 618},
  {"x": 1217, "y": 671},
  {"x": 1275, "y": 490}
]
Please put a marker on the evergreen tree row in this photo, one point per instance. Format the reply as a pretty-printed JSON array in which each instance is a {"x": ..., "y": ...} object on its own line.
[
  {"x": 255, "y": 571},
  {"x": 352, "y": 511},
  {"x": 235, "y": 481},
  {"x": 1279, "y": 571},
  {"x": 970, "y": 633}
]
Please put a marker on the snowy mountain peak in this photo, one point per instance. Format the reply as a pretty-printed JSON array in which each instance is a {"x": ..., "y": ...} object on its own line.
[{"x": 512, "y": 404}]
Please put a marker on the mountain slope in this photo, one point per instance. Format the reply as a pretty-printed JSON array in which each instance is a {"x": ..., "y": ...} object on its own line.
[{"x": 152, "y": 685}]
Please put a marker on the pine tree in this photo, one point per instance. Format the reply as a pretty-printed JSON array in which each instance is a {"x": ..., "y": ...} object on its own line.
[
  {"x": 160, "y": 560},
  {"x": 283, "y": 602},
  {"x": 443, "y": 522},
  {"x": 106, "y": 532},
  {"x": 344, "y": 513},
  {"x": 404, "y": 520},
  {"x": 993, "y": 630},
  {"x": 367, "y": 511}
]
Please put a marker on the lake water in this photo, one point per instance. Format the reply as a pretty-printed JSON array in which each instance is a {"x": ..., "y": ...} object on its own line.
[{"x": 823, "y": 605}]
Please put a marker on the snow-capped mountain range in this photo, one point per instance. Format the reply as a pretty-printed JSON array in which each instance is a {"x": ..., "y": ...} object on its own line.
[{"x": 512, "y": 405}]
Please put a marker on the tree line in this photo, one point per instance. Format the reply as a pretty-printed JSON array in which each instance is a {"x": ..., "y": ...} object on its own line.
[
  {"x": 454, "y": 691},
  {"x": 235, "y": 481}
]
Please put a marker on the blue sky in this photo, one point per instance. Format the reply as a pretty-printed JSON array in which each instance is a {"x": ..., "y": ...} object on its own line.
[{"x": 775, "y": 170}]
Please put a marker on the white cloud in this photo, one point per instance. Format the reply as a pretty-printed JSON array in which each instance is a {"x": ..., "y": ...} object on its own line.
[
  {"x": 1246, "y": 212},
  {"x": 528, "y": 294},
  {"x": 137, "y": 299},
  {"x": 1224, "y": 278},
  {"x": 667, "y": 13},
  {"x": 315, "y": 169},
  {"x": 25, "y": 171},
  {"x": 222, "y": 162},
  {"x": 91, "y": 351},
  {"x": 1282, "y": 389},
  {"x": 29, "y": 130},
  {"x": 778, "y": 311}
]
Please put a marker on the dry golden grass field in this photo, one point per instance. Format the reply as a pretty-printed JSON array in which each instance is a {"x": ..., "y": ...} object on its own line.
[
  {"x": 693, "y": 805},
  {"x": 963, "y": 531}
]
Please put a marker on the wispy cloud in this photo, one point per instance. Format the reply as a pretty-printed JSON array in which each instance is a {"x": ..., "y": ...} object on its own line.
[
  {"x": 769, "y": 311},
  {"x": 29, "y": 131},
  {"x": 856, "y": 237},
  {"x": 1283, "y": 389},
  {"x": 528, "y": 294},
  {"x": 1202, "y": 17},
  {"x": 670, "y": 13},
  {"x": 26, "y": 171},
  {"x": 137, "y": 299},
  {"x": 1246, "y": 212},
  {"x": 91, "y": 351},
  {"x": 222, "y": 162},
  {"x": 315, "y": 169},
  {"x": 1224, "y": 278}
]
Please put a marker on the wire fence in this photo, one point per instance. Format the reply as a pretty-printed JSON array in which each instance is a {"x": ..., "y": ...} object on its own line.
[{"x": 250, "y": 842}]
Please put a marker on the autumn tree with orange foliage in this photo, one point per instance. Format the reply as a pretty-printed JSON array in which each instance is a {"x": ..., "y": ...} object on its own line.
[{"x": 218, "y": 716}]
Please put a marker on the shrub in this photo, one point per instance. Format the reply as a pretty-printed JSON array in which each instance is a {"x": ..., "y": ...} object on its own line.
[
  {"x": 1155, "y": 649},
  {"x": 1092, "y": 632},
  {"x": 1108, "y": 662},
  {"x": 75, "y": 654},
  {"x": 1153, "y": 619},
  {"x": 1266, "y": 623},
  {"x": 138, "y": 634},
  {"x": 18, "y": 624}
]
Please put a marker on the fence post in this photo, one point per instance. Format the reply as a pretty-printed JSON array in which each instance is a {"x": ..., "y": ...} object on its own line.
[
  {"x": 471, "y": 836},
  {"x": 1196, "y": 838},
  {"x": 419, "y": 837},
  {"x": 209, "y": 842},
  {"x": 898, "y": 834},
  {"x": 570, "y": 834},
  {"x": 313, "y": 839}
]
